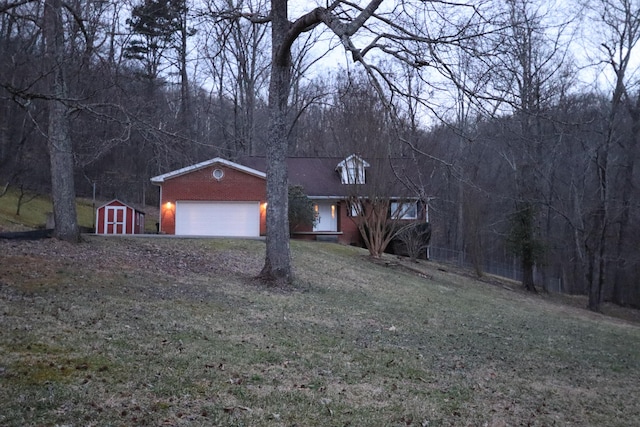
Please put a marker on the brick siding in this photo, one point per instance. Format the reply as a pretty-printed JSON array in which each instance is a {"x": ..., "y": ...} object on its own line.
[{"x": 200, "y": 185}]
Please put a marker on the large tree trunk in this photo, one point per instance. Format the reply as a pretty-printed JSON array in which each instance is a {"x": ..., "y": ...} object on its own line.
[
  {"x": 59, "y": 137},
  {"x": 277, "y": 266}
]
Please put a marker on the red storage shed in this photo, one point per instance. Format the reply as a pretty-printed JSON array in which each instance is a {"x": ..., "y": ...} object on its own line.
[{"x": 117, "y": 217}]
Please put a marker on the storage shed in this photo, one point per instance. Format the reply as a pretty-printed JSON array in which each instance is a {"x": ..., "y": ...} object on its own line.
[{"x": 117, "y": 217}]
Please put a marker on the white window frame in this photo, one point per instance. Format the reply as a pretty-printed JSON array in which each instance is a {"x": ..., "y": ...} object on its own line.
[{"x": 402, "y": 210}]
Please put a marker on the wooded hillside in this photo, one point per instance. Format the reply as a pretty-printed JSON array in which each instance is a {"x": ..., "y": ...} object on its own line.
[{"x": 525, "y": 135}]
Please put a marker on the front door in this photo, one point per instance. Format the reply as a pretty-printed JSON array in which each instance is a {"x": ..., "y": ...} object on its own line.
[
  {"x": 326, "y": 217},
  {"x": 115, "y": 220}
]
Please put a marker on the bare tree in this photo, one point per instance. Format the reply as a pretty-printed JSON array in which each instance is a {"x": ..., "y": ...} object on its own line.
[
  {"x": 415, "y": 239},
  {"x": 380, "y": 205},
  {"x": 527, "y": 74},
  {"x": 237, "y": 57},
  {"x": 620, "y": 24},
  {"x": 383, "y": 184},
  {"x": 58, "y": 135},
  {"x": 402, "y": 32},
  {"x": 284, "y": 33}
]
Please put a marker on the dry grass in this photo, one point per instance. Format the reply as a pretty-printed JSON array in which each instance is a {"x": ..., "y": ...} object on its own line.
[
  {"x": 33, "y": 213},
  {"x": 159, "y": 331}
]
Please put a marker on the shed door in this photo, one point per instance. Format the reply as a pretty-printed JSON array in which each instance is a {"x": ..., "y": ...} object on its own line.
[
  {"x": 237, "y": 219},
  {"x": 115, "y": 220}
]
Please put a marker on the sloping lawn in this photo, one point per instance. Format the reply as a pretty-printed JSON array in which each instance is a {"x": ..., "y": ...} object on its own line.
[
  {"x": 162, "y": 331},
  {"x": 34, "y": 209}
]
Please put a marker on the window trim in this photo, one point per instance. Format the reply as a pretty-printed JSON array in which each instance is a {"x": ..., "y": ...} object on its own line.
[{"x": 217, "y": 174}]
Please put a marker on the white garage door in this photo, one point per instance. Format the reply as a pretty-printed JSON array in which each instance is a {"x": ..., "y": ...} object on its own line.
[{"x": 240, "y": 219}]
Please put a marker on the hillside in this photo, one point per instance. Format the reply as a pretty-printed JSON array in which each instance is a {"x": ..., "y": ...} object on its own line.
[
  {"x": 166, "y": 331},
  {"x": 35, "y": 208}
]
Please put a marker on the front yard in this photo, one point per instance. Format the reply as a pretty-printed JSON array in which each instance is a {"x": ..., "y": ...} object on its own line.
[{"x": 159, "y": 331}]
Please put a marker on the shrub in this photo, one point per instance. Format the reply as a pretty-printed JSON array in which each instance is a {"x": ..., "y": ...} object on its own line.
[{"x": 301, "y": 213}]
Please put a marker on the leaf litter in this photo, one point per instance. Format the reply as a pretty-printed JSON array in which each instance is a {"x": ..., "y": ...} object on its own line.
[{"x": 175, "y": 332}]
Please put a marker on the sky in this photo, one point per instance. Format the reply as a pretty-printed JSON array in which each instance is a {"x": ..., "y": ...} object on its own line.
[{"x": 585, "y": 48}]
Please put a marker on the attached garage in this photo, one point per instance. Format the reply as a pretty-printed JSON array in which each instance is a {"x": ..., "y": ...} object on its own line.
[
  {"x": 232, "y": 219},
  {"x": 213, "y": 198}
]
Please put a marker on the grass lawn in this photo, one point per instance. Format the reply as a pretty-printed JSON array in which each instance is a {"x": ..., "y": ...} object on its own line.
[
  {"x": 33, "y": 212},
  {"x": 163, "y": 331},
  {"x": 34, "y": 209}
]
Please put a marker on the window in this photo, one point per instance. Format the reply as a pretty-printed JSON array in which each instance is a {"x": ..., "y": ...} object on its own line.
[
  {"x": 406, "y": 210},
  {"x": 355, "y": 208},
  {"x": 355, "y": 174},
  {"x": 218, "y": 174},
  {"x": 352, "y": 170}
]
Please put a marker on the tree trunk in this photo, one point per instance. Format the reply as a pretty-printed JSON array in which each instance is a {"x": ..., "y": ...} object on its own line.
[
  {"x": 622, "y": 282},
  {"x": 277, "y": 266},
  {"x": 595, "y": 286},
  {"x": 527, "y": 276},
  {"x": 186, "y": 119},
  {"x": 528, "y": 255},
  {"x": 59, "y": 137}
]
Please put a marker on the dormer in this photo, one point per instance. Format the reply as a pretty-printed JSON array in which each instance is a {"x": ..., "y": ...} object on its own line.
[{"x": 352, "y": 170}]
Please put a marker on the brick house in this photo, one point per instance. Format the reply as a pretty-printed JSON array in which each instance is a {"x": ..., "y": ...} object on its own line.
[{"x": 223, "y": 198}]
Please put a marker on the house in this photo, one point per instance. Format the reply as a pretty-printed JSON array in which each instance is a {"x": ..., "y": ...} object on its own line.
[
  {"x": 223, "y": 198},
  {"x": 116, "y": 217}
]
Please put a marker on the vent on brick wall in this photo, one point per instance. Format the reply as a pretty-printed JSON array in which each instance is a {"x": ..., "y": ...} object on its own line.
[{"x": 218, "y": 174}]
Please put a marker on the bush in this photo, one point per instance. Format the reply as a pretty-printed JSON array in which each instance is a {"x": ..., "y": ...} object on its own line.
[
  {"x": 301, "y": 213},
  {"x": 413, "y": 239}
]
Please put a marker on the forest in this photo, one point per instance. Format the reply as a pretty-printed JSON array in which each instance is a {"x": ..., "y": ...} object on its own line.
[{"x": 521, "y": 116}]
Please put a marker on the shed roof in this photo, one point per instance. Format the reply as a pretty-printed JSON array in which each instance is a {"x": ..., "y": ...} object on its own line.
[{"x": 123, "y": 203}]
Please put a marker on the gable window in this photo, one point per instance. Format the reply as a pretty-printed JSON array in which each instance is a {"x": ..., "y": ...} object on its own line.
[
  {"x": 404, "y": 210},
  {"x": 218, "y": 174},
  {"x": 352, "y": 170},
  {"x": 355, "y": 174}
]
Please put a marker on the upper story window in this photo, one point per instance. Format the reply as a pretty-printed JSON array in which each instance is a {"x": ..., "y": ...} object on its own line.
[
  {"x": 352, "y": 170},
  {"x": 355, "y": 175},
  {"x": 404, "y": 210}
]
